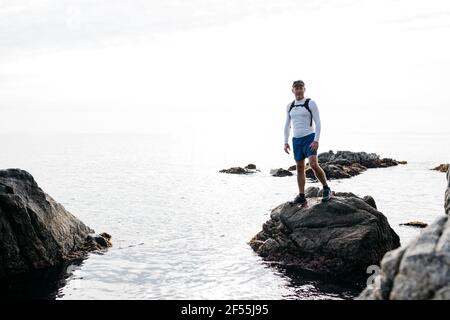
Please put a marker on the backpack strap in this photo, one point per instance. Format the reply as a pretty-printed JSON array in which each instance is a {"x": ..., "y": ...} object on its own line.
[
  {"x": 292, "y": 105},
  {"x": 306, "y": 105}
]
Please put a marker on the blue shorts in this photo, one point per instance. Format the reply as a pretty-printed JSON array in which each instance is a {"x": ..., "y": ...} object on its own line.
[{"x": 301, "y": 147}]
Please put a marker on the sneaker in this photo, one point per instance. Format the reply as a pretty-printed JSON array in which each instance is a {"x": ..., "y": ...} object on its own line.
[
  {"x": 299, "y": 200},
  {"x": 327, "y": 194}
]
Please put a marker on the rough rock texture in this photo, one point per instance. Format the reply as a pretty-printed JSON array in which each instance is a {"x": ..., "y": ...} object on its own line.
[
  {"x": 443, "y": 167},
  {"x": 340, "y": 237},
  {"x": 368, "y": 160},
  {"x": 280, "y": 172},
  {"x": 447, "y": 195},
  {"x": 35, "y": 230},
  {"x": 419, "y": 271},
  {"x": 239, "y": 170},
  {"x": 346, "y": 164}
]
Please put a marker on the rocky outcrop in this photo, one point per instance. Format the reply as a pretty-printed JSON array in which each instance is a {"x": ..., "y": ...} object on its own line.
[
  {"x": 340, "y": 237},
  {"x": 35, "y": 230},
  {"x": 419, "y": 271},
  {"x": 368, "y": 160},
  {"x": 443, "y": 167},
  {"x": 346, "y": 164},
  {"x": 280, "y": 172}
]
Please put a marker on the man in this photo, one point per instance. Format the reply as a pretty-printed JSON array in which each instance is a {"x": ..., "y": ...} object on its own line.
[{"x": 302, "y": 112}]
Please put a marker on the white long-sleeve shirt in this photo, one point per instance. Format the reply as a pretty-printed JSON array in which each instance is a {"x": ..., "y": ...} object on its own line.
[{"x": 300, "y": 118}]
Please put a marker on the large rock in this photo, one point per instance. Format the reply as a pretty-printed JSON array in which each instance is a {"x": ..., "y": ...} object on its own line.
[
  {"x": 35, "y": 230},
  {"x": 419, "y": 271},
  {"x": 340, "y": 237},
  {"x": 368, "y": 160}
]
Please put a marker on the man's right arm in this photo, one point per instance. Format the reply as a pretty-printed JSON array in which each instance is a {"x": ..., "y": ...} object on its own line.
[
  {"x": 287, "y": 129},
  {"x": 287, "y": 125}
]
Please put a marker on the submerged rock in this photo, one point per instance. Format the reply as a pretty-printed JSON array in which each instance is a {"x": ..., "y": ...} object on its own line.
[
  {"x": 35, "y": 230},
  {"x": 417, "y": 224},
  {"x": 340, "y": 237},
  {"x": 280, "y": 172},
  {"x": 235, "y": 170},
  {"x": 239, "y": 170}
]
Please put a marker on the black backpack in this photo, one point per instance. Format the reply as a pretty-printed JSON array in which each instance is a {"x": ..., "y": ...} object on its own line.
[{"x": 306, "y": 105}]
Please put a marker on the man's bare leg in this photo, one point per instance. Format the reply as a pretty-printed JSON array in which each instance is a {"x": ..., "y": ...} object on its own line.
[
  {"x": 318, "y": 171},
  {"x": 301, "y": 178}
]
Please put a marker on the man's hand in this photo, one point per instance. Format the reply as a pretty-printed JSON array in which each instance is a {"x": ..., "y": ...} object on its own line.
[
  {"x": 314, "y": 145},
  {"x": 287, "y": 148}
]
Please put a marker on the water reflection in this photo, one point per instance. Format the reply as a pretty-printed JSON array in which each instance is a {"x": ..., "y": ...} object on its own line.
[
  {"x": 309, "y": 285},
  {"x": 48, "y": 284},
  {"x": 39, "y": 284}
]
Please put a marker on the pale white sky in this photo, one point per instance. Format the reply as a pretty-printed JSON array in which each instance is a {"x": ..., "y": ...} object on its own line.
[{"x": 222, "y": 66}]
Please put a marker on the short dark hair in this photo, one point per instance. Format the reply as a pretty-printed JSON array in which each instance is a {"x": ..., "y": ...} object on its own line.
[{"x": 297, "y": 83}]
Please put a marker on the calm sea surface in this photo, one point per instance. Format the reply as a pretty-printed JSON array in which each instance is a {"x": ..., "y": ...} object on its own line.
[{"x": 181, "y": 229}]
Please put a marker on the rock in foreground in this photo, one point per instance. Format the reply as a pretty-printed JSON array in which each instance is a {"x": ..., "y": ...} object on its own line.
[
  {"x": 419, "y": 271},
  {"x": 340, "y": 237},
  {"x": 35, "y": 230}
]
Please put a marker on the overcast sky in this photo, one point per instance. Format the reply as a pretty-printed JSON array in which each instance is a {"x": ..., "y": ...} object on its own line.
[{"x": 147, "y": 66}]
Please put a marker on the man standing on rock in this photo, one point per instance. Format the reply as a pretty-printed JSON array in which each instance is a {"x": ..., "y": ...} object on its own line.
[{"x": 302, "y": 113}]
